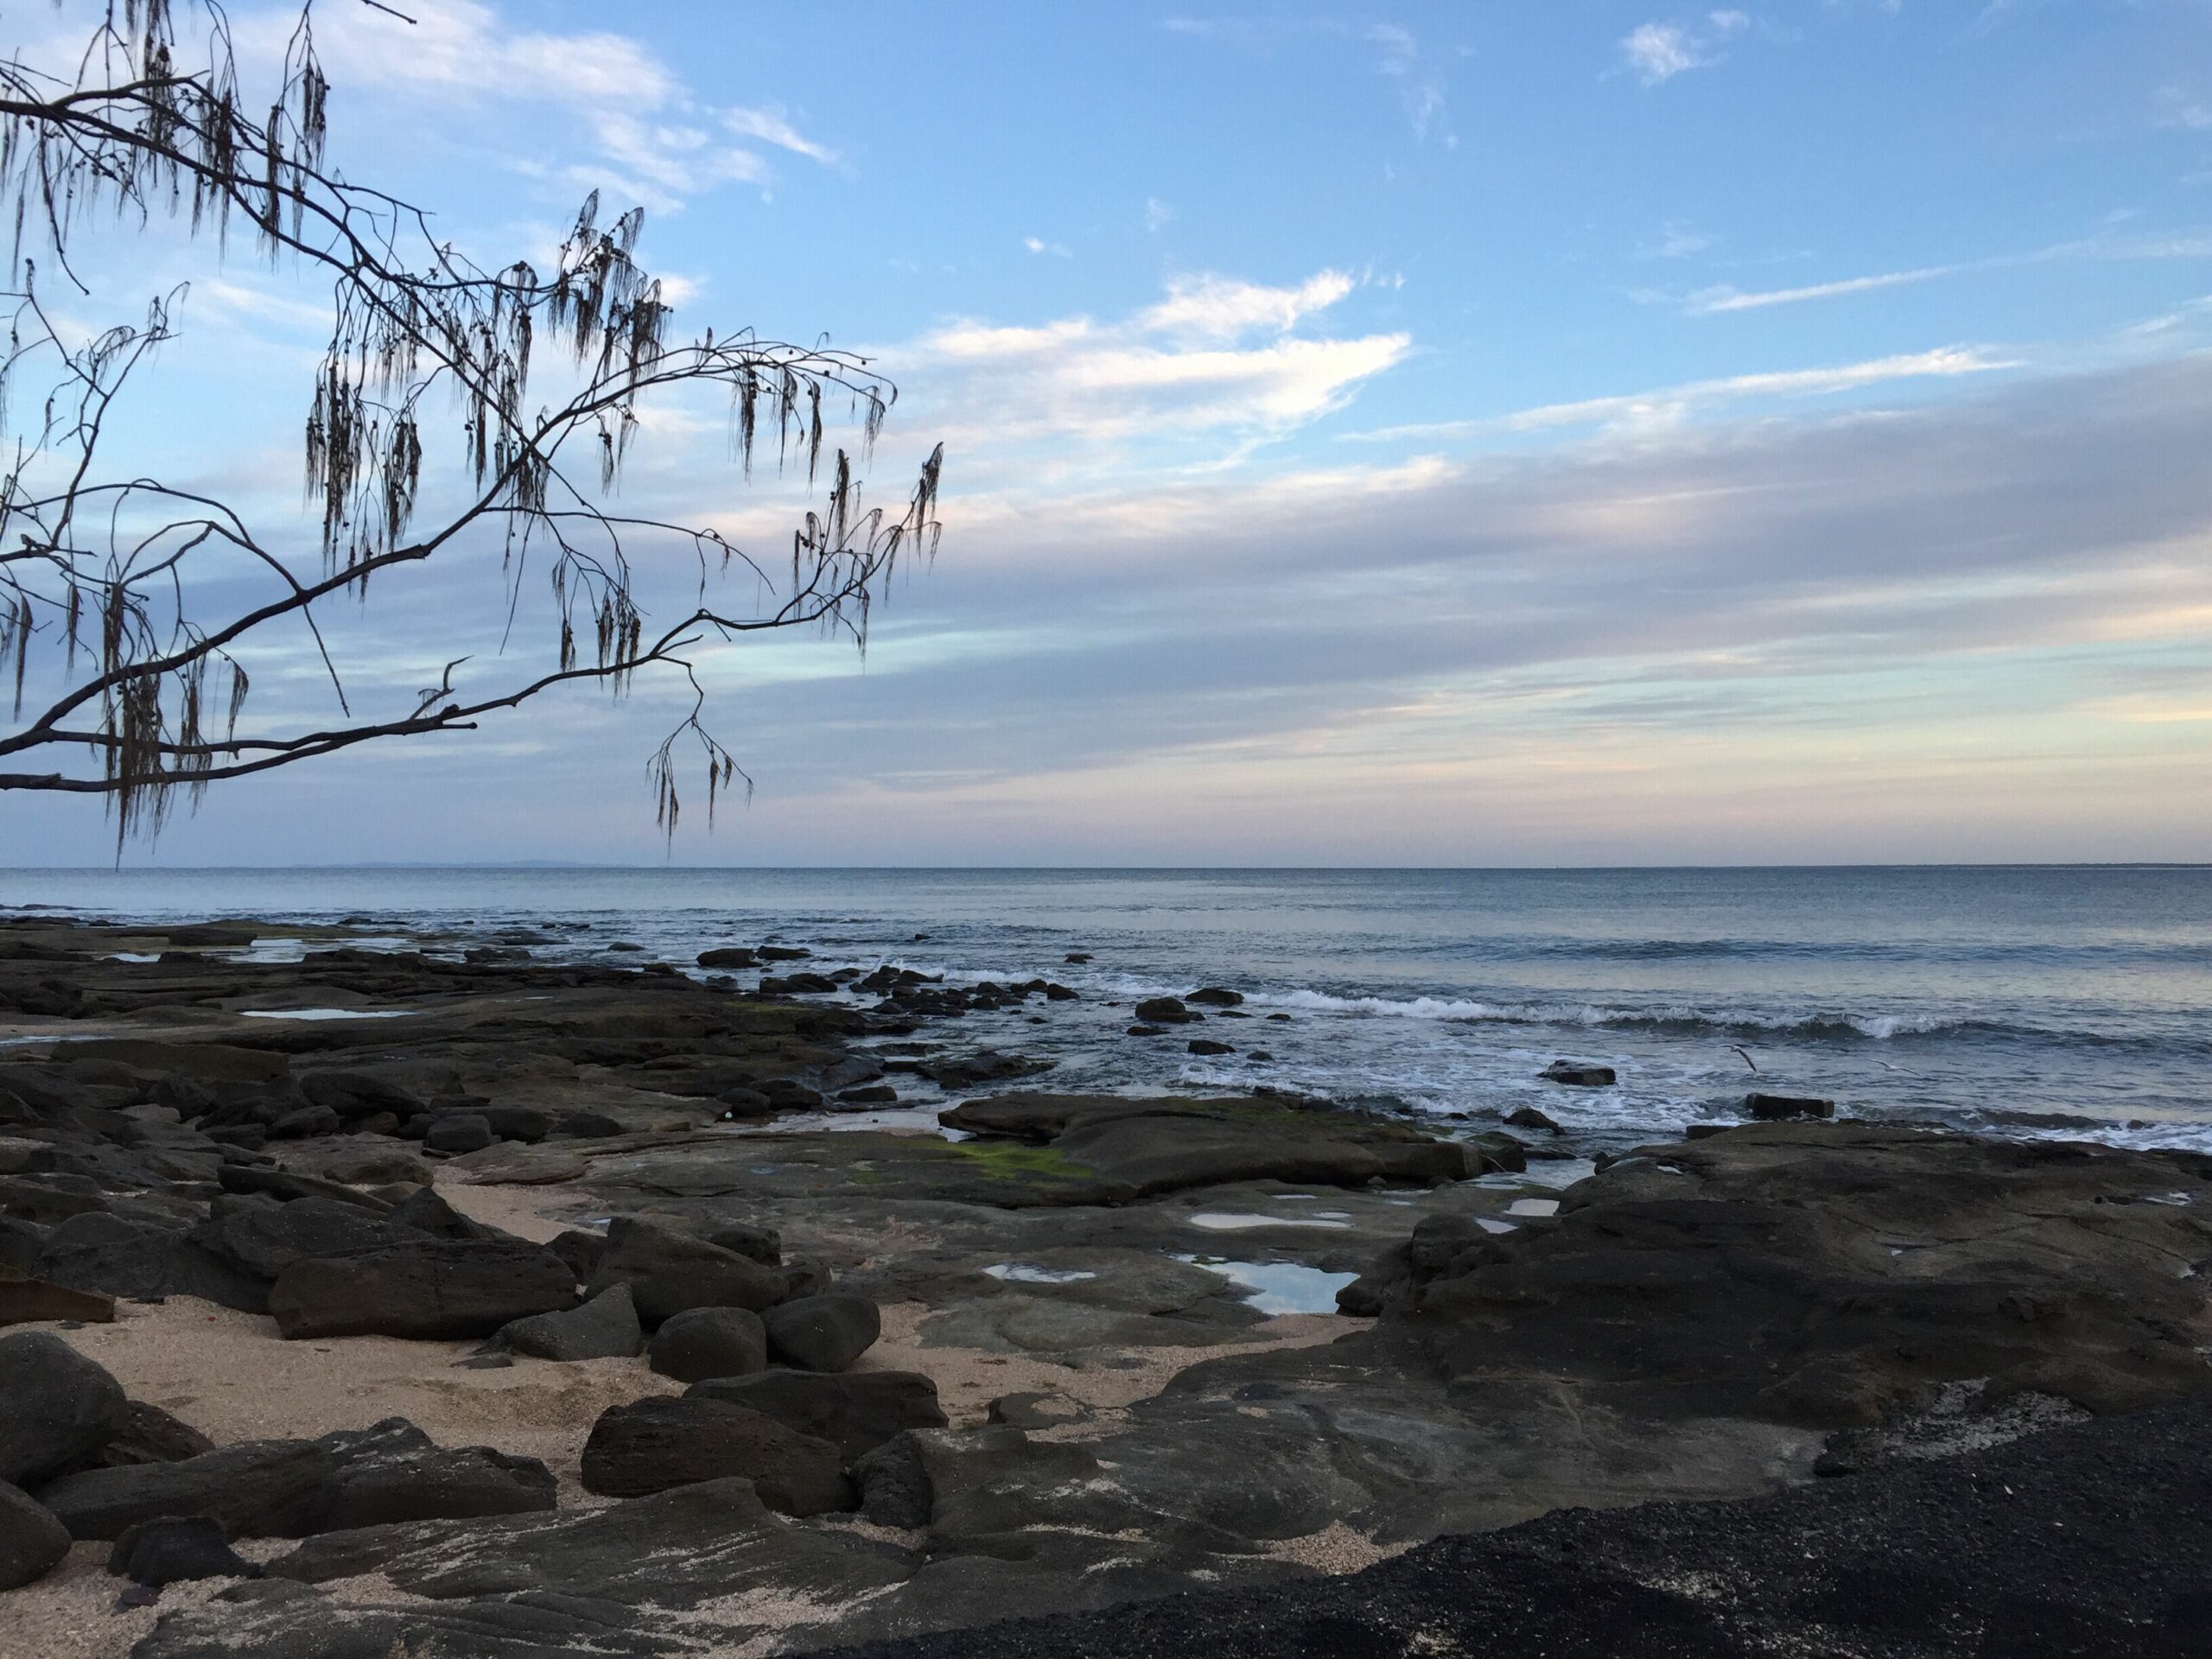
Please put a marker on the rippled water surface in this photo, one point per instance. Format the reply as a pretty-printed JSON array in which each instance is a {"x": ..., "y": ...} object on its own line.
[{"x": 2037, "y": 1001}]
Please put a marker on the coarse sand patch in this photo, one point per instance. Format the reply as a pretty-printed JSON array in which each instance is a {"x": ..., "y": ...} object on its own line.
[
  {"x": 969, "y": 1379},
  {"x": 233, "y": 1378}
]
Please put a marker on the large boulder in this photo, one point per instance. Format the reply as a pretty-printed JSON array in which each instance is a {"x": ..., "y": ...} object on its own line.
[
  {"x": 32, "y": 1541},
  {"x": 858, "y": 1410},
  {"x": 652, "y": 1444},
  {"x": 112, "y": 1255},
  {"x": 56, "y": 1407},
  {"x": 428, "y": 1483},
  {"x": 255, "y": 1489},
  {"x": 606, "y": 1327},
  {"x": 704, "y": 1341},
  {"x": 424, "y": 1288},
  {"x": 263, "y": 1242},
  {"x": 668, "y": 1272},
  {"x": 822, "y": 1333}
]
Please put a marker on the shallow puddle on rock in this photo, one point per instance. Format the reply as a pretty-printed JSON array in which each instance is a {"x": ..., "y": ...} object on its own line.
[
  {"x": 1533, "y": 1207},
  {"x": 1278, "y": 1287},
  {"x": 322, "y": 1013},
  {"x": 1028, "y": 1272},
  {"x": 1492, "y": 1224},
  {"x": 1231, "y": 1221}
]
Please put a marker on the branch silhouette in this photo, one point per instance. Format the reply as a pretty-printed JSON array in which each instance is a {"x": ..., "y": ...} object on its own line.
[{"x": 97, "y": 567}]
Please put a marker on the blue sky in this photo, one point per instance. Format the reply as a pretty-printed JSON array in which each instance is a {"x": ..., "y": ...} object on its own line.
[{"x": 1503, "y": 434}]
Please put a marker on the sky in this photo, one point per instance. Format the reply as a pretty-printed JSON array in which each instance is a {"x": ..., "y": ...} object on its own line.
[{"x": 1500, "y": 434}]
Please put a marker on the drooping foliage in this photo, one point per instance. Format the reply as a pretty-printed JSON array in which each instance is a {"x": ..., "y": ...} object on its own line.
[{"x": 428, "y": 365}]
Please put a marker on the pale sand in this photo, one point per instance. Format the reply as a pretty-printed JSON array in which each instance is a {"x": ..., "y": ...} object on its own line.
[{"x": 230, "y": 1375}]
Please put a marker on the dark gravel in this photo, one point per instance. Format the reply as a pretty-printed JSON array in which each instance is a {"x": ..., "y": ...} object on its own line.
[{"x": 2094, "y": 1540}]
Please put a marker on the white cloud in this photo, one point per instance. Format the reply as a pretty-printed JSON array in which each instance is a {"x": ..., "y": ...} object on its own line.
[
  {"x": 656, "y": 142},
  {"x": 1220, "y": 307},
  {"x": 1659, "y": 52},
  {"x": 1038, "y": 245},
  {"x": 1216, "y": 356},
  {"x": 1157, "y": 214}
]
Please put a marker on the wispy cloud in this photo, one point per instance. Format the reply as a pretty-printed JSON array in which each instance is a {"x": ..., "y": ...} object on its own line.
[
  {"x": 1711, "y": 300},
  {"x": 1669, "y": 406},
  {"x": 1157, "y": 216},
  {"x": 2185, "y": 246},
  {"x": 1038, "y": 245},
  {"x": 1420, "y": 85}
]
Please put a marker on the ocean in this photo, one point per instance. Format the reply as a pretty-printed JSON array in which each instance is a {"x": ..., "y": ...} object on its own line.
[{"x": 2037, "y": 1001}]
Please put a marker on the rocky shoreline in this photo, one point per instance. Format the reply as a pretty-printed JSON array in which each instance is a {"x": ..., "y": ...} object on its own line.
[{"x": 416, "y": 1294}]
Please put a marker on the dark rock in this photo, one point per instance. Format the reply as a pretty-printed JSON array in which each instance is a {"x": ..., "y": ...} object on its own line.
[
  {"x": 668, "y": 1272},
  {"x": 606, "y": 1327},
  {"x": 173, "y": 1549},
  {"x": 1078, "y": 957},
  {"x": 704, "y": 1342},
  {"x": 262, "y": 1242},
  {"x": 797, "y": 985},
  {"x": 588, "y": 1126},
  {"x": 985, "y": 1066},
  {"x": 1208, "y": 1045},
  {"x": 1775, "y": 1109},
  {"x": 653, "y": 1444},
  {"x": 28, "y": 1301},
  {"x": 580, "y": 1250},
  {"x": 56, "y": 1407},
  {"x": 1579, "y": 1074},
  {"x": 307, "y": 1122},
  {"x": 1036, "y": 1409},
  {"x": 255, "y": 1489},
  {"x": 32, "y": 1541},
  {"x": 730, "y": 956},
  {"x": 822, "y": 1333},
  {"x": 1147, "y": 1031},
  {"x": 360, "y": 1094},
  {"x": 858, "y": 1410},
  {"x": 21, "y": 1244},
  {"x": 426, "y": 1482},
  {"x": 1058, "y": 993},
  {"x": 459, "y": 1132},
  {"x": 424, "y": 1289},
  {"x": 756, "y": 1243},
  {"x": 1500, "y": 1153},
  {"x": 1163, "y": 1011},
  {"x": 1216, "y": 996},
  {"x": 285, "y": 1184},
  {"x": 427, "y": 1211},
  {"x": 523, "y": 1123},
  {"x": 879, "y": 1094},
  {"x": 146, "y": 1434},
  {"x": 1528, "y": 1117},
  {"x": 377, "y": 1166},
  {"x": 805, "y": 1276},
  {"x": 782, "y": 952}
]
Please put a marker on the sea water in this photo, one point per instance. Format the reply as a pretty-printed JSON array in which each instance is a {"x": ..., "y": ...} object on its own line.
[{"x": 2043, "y": 1000}]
